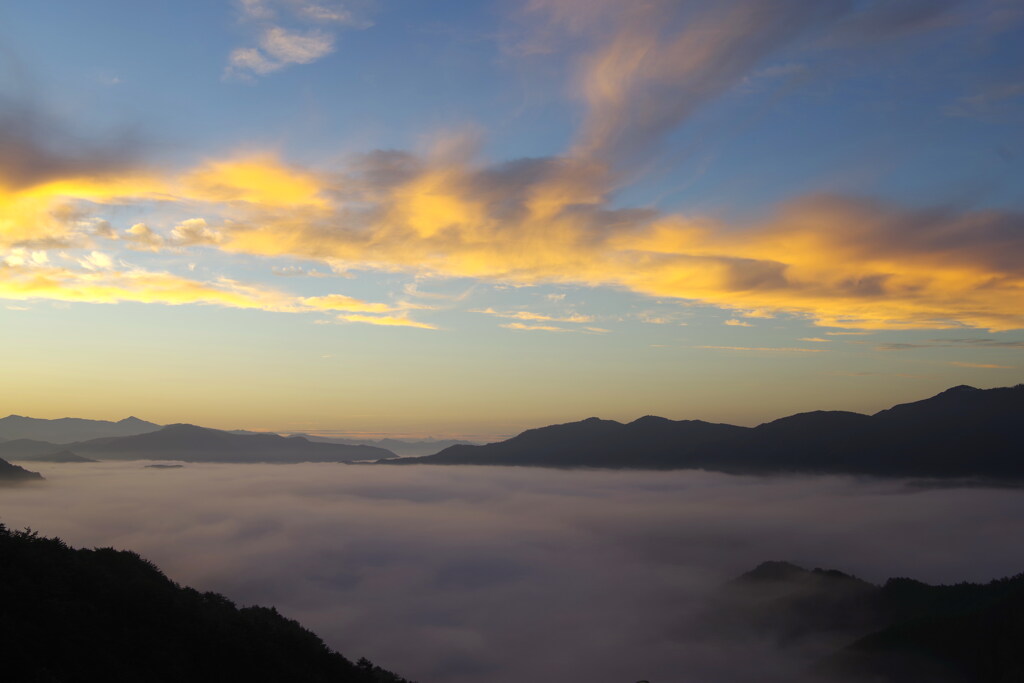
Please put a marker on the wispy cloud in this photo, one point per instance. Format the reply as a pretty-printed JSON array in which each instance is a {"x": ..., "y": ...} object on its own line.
[
  {"x": 289, "y": 32},
  {"x": 527, "y": 315},
  {"x": 786, "y": 349},
  {"x": 946, "y": 343},
  {"x": 989, "y": 366},
  {"x": 340, "y": 302},
  {"x": 993, "y": 100},
  {"x": 649, "y": 77},
  {"x": 736, "y": 322},
  {"x": 385, "y": 320},
  {"x": 534, "y": 328}
]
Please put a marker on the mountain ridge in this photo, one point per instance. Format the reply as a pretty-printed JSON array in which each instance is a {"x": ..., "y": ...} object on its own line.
[
  {"x": 962, "y": 432},
  {"x": 69, "y": 429},
  {"x": 191, "y": 443}
]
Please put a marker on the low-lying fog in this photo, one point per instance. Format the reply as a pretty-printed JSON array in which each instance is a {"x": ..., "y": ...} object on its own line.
[{"x": 505, "y": 575}]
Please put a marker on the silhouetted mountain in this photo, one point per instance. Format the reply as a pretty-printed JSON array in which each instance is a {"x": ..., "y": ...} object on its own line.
[
  {"x": 962, "y": 432},
  {"x": 13, "y": 473},
  {"x": 26, "y": 449},
  {"x": 903, "y": 631},
  {"x": 402, "y": 447},
  {"x": 68, "y": 429},
  {"x": 109, "y": 615},
  {"x": 58, "y": 456},
  {"x": 199, "y": 444},
  {"x": 787, "y": 603}
]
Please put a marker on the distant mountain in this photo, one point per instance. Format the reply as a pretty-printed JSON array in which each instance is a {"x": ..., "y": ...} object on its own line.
[
  {"x": 402, "y": 447},
  {"x": 12, "y": 473},
  {"x": 962, "y": 432},
  {"x": 902, "y": 631},
  {"x": 26, "y": 449},
  {"x": 199, "y": 444},
  {"x": 109, "y": 615},
  {"x": 56, "y": 456},
  {"x": 68, "y": 429}
]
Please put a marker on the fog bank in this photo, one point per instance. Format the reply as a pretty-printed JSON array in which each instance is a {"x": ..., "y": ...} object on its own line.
[{"x": 459, "y": 574}]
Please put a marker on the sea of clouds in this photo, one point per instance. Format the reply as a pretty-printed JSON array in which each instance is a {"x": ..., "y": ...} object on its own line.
[{"x": 504, "y": 575}]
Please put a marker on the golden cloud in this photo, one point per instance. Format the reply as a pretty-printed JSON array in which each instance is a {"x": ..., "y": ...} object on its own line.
[
  {"x": 103, "y": 286},
  {"x": 386, "y": 320},
  {"x": 840, "y": 262},
  {"x": 527, "y": 315},
  {"x": 340, "y": 302},
  {"x": 534, "y": 328}
]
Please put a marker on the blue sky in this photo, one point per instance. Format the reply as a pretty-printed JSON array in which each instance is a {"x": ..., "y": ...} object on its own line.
[{"x": 473, "y": 218}]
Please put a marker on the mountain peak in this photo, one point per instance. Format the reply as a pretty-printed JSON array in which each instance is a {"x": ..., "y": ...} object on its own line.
[
  {"x": 650, "y": 419},
  {"x": 184, "y": 427},
  {"x": 958, "y": 389},
  {"x": 774, "y": 571}
]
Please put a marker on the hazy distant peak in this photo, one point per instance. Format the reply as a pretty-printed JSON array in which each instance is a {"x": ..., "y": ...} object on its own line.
[
  {"x": 70, "y": 429},
  {"x": 184, "y": 427}
]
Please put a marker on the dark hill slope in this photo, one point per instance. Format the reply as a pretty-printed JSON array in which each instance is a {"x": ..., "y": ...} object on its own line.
[
  {"x": 902, "y": 631},
  {"x": 70, "y": 615},
  {"x": 12, "y": 473},
  {"x": 962, "y": 432},
  {"x": 199, "y": 444}
]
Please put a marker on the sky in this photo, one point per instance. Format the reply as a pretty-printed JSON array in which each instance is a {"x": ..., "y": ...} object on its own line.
[
  {"x": 467, "y": 574},
  {"x": 467, "y": 219}
]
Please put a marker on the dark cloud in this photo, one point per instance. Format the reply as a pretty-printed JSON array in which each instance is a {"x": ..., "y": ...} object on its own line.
[
  {"x": 35, "y": 148},
  {"x": 453, "y": 575}
]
